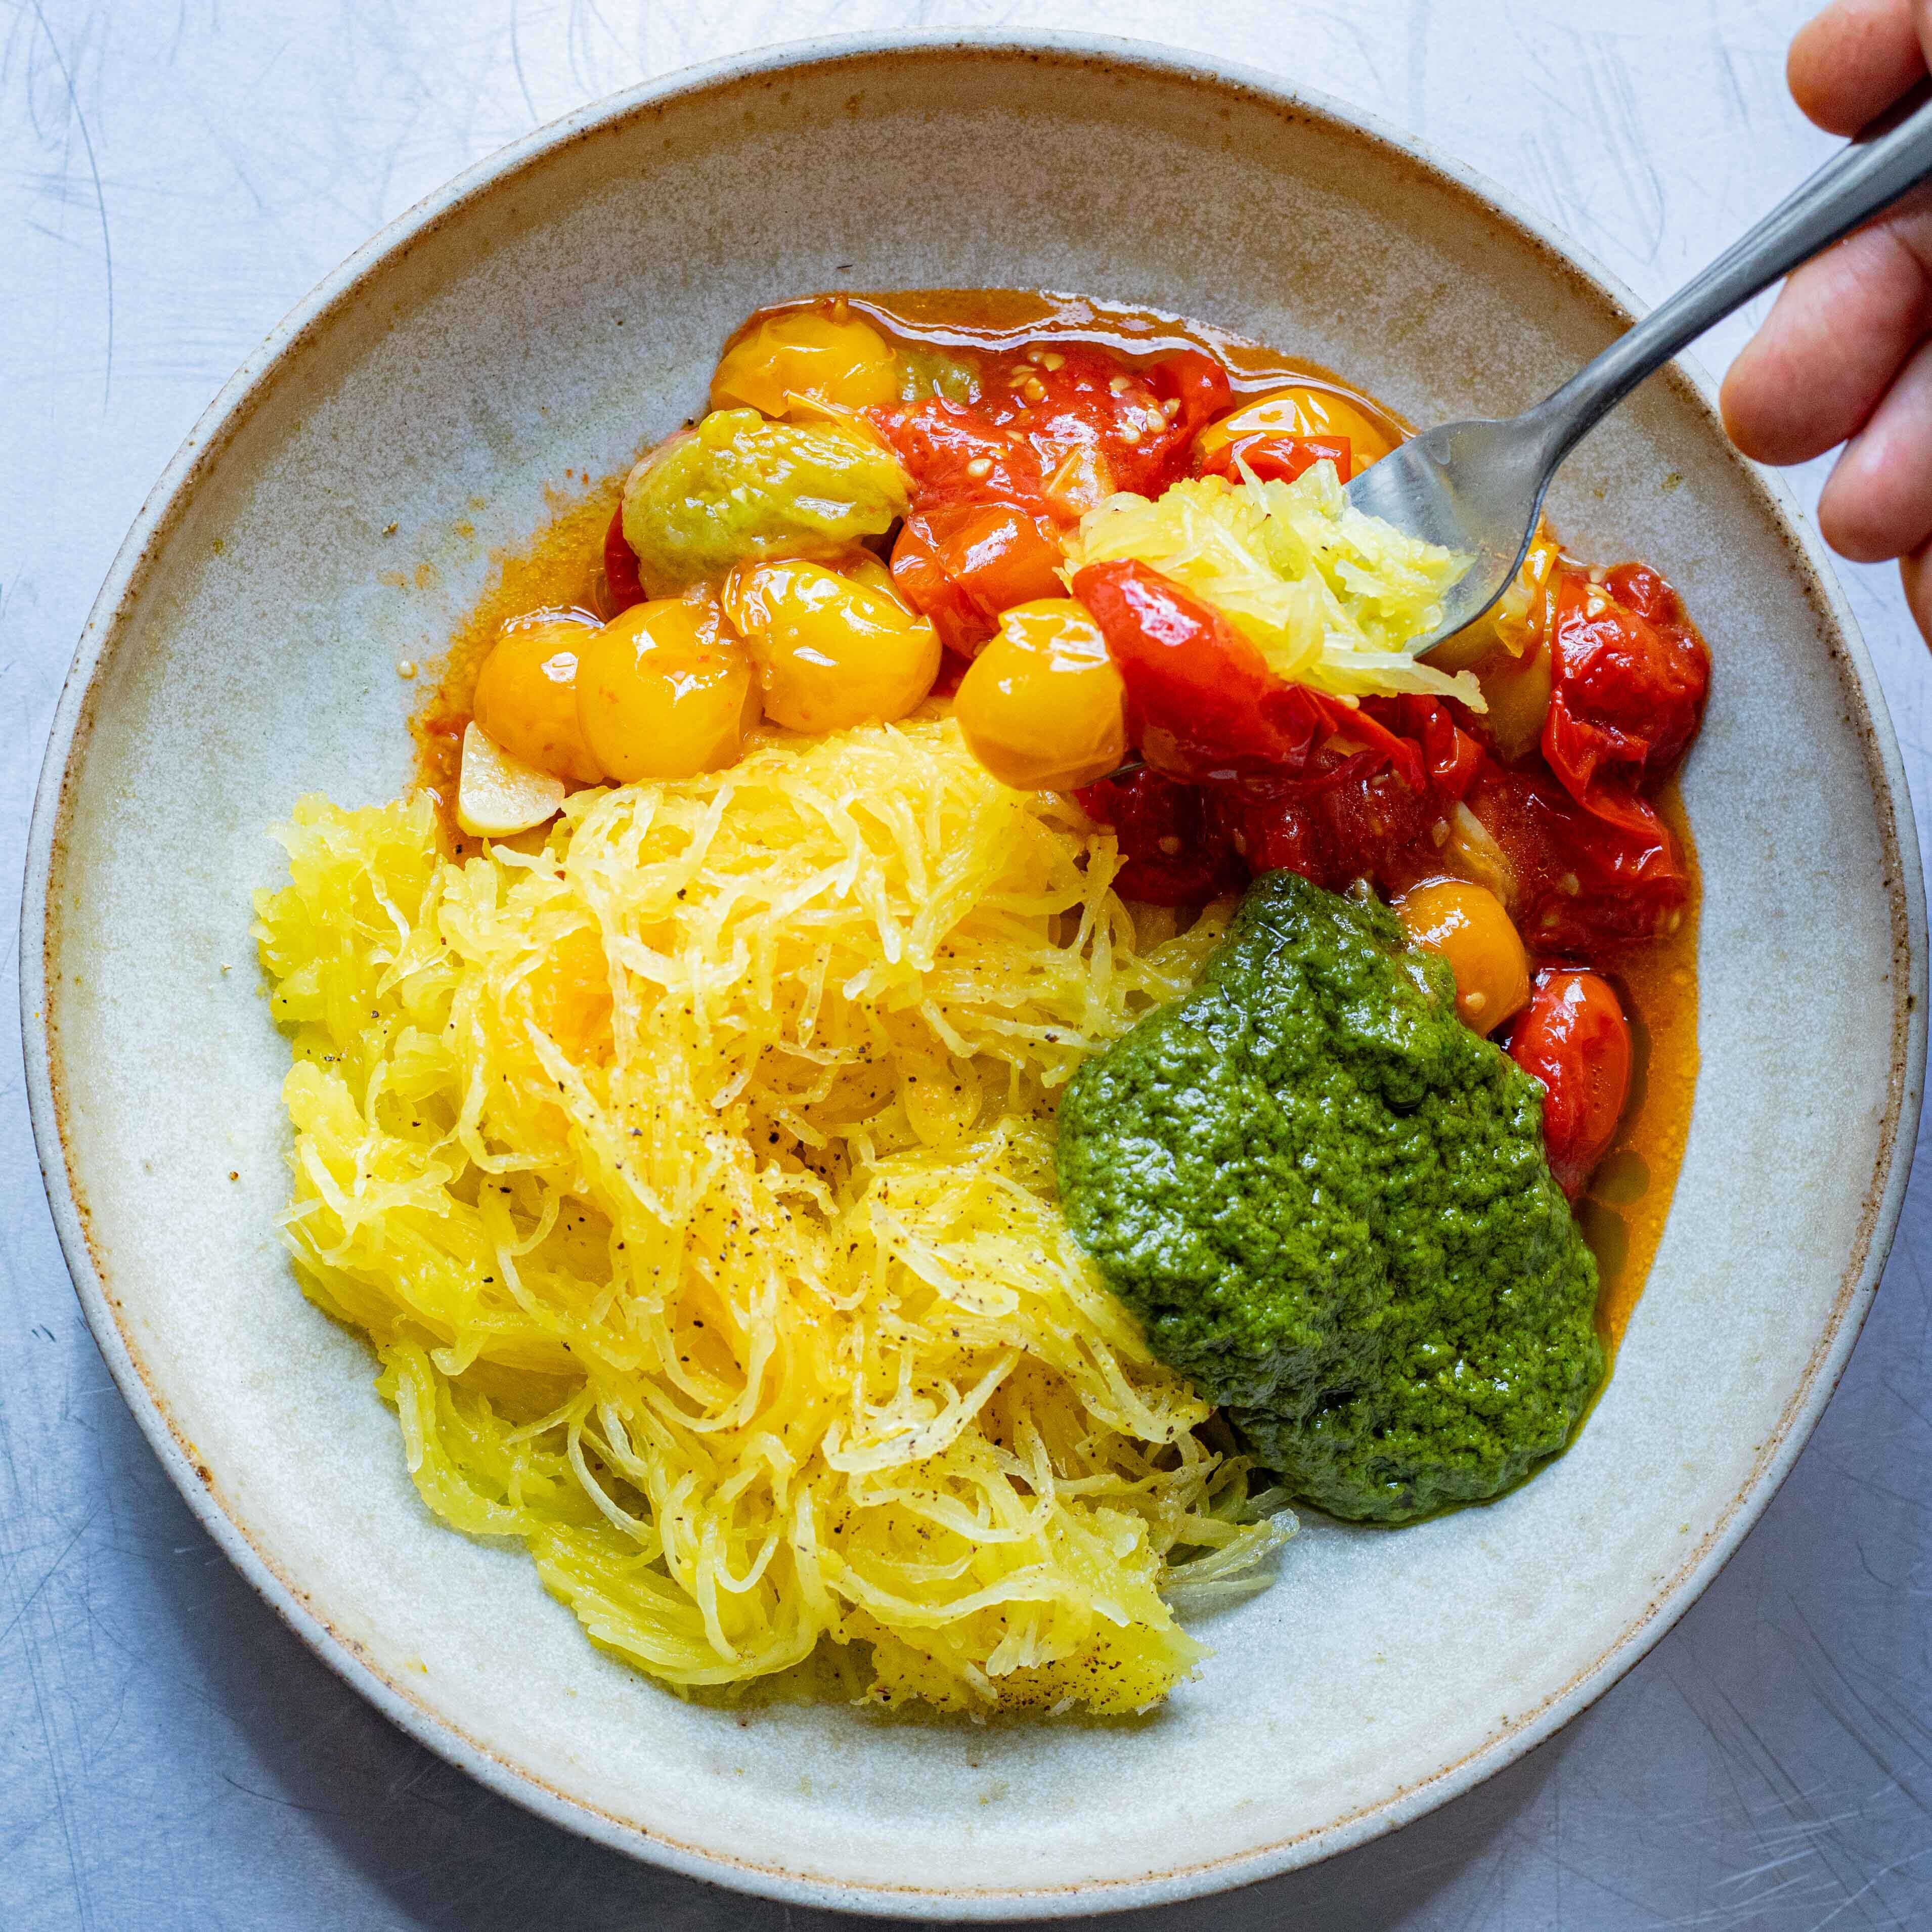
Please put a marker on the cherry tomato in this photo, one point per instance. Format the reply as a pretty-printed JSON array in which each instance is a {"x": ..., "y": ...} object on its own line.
[
  {"x": 1302, "y": 411},
  {"x": 1627, "y": 687},
  {"x": 1468, "y": 926},
  {"x": 1270, "y": 458},
  {"x": 1196, "y": 382},
  {"x": 960, "y": 564},
  {"x": 1351, "y": 817},
  {"x": 620, "y": 566},
  {"x": 955, "y": 453},
  {"x": 1584, "y": 879},
  {"x": 1177, "y": 850},
  {"x": 1575, "y": 1039},
  {"x": 1200, "y": 697}
]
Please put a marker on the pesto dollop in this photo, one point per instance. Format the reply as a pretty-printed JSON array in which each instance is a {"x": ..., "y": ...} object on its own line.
[{"x": 1326, "y": 1199}]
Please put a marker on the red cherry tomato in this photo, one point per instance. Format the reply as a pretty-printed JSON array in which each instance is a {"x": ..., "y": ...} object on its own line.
[
  {"x": 1176, "y": 846},
  {"x": 1629, "y": 676},
  {"x": 1272, "y": 457},
  {"x": 1198, "y": 383},
  {"x": 1573, "y": 1037},
  {"x": 962, "y": 563},
  {"x": 1200, "y": 698},
  {"x": 1584, "y": 879},
  {"x": 955, "y": 453},
  {"x": 620, "y": 566}
]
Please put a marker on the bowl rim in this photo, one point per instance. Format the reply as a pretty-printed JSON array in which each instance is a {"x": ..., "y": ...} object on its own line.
[{"x": 164, "y": 508}]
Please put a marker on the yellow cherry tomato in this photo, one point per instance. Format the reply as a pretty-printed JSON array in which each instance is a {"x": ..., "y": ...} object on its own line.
[
  {"x": 1517, "y": 691},
  {"x": 664, "y": 690},
  {"x": 829, "y": 651},
  {"x": 807, "y": 356},
  {"x": 1301, "y": 411},
  {"x": 1517, "y": 619},
  {"x": 526, "y": 696},
  {"x": 1467, "y": 925},
  {"x": 1043, "y": 706}
]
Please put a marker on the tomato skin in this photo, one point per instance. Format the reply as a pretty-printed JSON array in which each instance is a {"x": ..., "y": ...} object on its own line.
[
  {"x": 1196, "y": 382},
  {"x": 1629, "y": 677},
  {"x": 962, "y": 563},
  {"x": 1201, "y": 699},
  {"x": 939, "y": 444},
  {"x": 1272, "y": 457},
  {"x": 620, "y": 566},
  {"x": 1612, "y": 876},
  {"x": 1177, "y": 851},
  {"x": 1574, "y": 1038},
  {"x": 1354, "y": 818}
]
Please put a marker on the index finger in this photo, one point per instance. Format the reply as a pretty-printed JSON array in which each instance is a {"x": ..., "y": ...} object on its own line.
[{"x": 1848, "y": 65}]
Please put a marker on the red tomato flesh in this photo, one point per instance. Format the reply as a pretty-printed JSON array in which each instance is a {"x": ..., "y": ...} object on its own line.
[
  {"x": 1629, "y": 677},
  {"x": 962, "y": 562},
  {"x": 1271, "y": 457},
  {"x": 620, "y": 566},
  {"x": 1201, "y": 699}
]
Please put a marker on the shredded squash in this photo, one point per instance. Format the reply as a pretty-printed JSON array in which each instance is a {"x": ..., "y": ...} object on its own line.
[
  {"x": 692, "y": 1176},
  {"x": 1333, "y": 598}
]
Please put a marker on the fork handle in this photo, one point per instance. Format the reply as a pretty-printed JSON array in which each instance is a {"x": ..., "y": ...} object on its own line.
[{"x": 1866, "y": 175}]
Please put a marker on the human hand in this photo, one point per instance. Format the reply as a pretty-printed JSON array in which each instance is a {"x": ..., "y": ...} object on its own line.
[{"x": 1846, "y": 350}]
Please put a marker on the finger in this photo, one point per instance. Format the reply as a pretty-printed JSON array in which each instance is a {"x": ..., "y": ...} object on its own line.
[
  {"x": 1914, "y": 572},
  {"x": 1850, "y": 63},
  {"x": 1877, "y": 502},
  {"x": 1841, "y": 329}
]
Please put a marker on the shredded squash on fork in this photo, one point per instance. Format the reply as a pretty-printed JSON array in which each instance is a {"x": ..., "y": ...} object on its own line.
[{"x": 692, "y": 1176}]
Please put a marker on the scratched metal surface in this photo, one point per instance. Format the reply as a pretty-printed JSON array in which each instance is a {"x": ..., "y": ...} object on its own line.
[{"x": 172, "y": 178}]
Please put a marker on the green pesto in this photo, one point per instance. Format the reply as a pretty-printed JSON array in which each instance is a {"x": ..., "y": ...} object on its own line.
[
  {"x": 1326, "y": 1199},
  {"x": 738, "y": 486}
]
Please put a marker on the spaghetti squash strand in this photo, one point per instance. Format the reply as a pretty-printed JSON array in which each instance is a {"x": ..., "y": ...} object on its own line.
[{"x": 692, "y": 1176}]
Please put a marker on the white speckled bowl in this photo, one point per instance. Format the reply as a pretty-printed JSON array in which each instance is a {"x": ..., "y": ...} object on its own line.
[{"x": 541, "y": 314}]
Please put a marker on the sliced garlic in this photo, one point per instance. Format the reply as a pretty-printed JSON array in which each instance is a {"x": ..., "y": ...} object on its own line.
[{"x": 496, "y": 794}]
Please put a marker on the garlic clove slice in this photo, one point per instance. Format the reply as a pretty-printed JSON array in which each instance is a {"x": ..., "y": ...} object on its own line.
[{"x": 496, "y": 794}]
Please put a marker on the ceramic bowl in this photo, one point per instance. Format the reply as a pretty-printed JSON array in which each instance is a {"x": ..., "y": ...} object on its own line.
[{"x": 337, "y": 508}]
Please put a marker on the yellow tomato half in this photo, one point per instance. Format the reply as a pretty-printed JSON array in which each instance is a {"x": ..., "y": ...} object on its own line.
[
  {"x": 829, "y": 651},
  {"x": 807, "y": 354},
  {"x": 664, "y": 690},
  {"x": 1043, "y": 706},
  {"x": 526, "y": 696},
  {"x": 1468, "y": 925},
  {"x": 1301, "y": 411}
]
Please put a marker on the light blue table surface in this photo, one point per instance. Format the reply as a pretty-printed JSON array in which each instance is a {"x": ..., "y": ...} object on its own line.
[{"x": 173, "y": 177}]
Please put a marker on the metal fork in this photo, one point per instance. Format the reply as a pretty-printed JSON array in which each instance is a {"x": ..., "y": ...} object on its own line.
[{"x": 1477, "y": 486}]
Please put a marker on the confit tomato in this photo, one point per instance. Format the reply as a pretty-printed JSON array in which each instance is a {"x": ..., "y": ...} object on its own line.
[
  {"x": 1610, "y": 875},
  {"x": 1054, "y": 432},
  {"x": 1629, "y": 675},
  {"x": 955, "y": 453},
  {"x": 1176, "y": 847},
  {"x": 1271, "y": 457},
  {"x": 620, "y": 566},
  {"x": 1574, "y": 1038},
  {"x": 1354, "y": 816},
  {"x": 1372, "y": 802},
  {"x": 961, "y": 563},
  {"x": 1201, "y": 699}
]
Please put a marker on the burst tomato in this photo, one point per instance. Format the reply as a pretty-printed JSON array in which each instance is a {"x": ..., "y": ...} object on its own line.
[
  {"x": 1201, "y": 699},
  {"x": 1270, "y": 457},
  {"x": 620, "y": 566},
  {"x": 1584, "y": 879},
  {"x": 1176, "y": 849},
  {"x": 962, "y": 563},
  {"x": 1629, "y": 676},
  {"x": 1574, "y": 1038}
]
